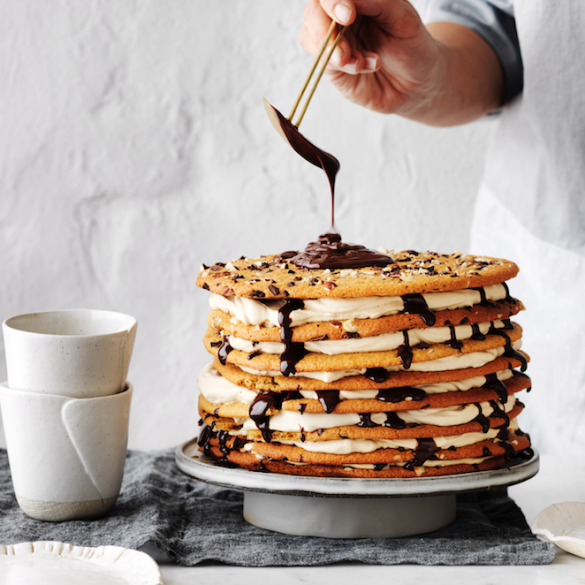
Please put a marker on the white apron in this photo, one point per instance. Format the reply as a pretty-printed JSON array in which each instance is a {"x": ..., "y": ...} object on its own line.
[{"x": 531, "y": 209}]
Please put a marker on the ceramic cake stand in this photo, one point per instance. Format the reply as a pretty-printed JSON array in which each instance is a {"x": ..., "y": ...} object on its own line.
[{"x": 348, "y": 507}]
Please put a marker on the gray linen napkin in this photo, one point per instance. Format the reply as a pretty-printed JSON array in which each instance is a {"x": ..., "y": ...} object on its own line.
[{"x": 194, "y": 522}]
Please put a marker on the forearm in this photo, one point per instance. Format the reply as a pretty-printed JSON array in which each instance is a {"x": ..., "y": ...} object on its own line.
[{"x": 468, "y": 79}]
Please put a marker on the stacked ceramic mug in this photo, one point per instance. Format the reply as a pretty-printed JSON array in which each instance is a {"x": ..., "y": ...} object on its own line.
[{"x": 65, "y": 409}]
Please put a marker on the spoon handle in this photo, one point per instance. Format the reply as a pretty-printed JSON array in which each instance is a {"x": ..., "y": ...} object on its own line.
[{"x": 312, "y": 71}]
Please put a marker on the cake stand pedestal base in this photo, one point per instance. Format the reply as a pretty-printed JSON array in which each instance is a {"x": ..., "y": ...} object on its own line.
[
  {"x": 349, "y": 517},
  {"x": 341, "y": 507}
]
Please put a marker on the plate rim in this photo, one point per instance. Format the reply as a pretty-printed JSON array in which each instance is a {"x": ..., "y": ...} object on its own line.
[
  {"x": 203, "y": 469},
  {"x": 135, "y": 566}
]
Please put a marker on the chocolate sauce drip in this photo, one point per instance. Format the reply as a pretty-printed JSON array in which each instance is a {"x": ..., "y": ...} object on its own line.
[
  {"x": 425, "y": 449},
  {"x": 366, "y": 420},
  {"x": 527, "y": 453},
  {"x": 509, "y": 351},
  {"x": 290, "y": 357},
  {"x": 508, "y": 298},
  {"x": 504, "y": 434},
  {"x": 379, "y": 466},
  {"x": 222, "y": 438},
  {"x": 454, "y": 342},
  {"x": 329, "y": 399},
  {"x": 484, "y": 302},
  {"x": 204, "y": 440},
  {"x": 263, "y": 402},
  {"x": 415, "y": 304},
  {"x": 284, "y": 312},
  {"x": 405, "y": 352},
  {"x": 393, "y": 421},
  {"x": 492, "y": 382},
  {"x": 476, "y": 333},
  {"x": 330, "y": 252},
  {"x": 293, "y": 352},
  {"x": 482, "y": 420},
  {"x": 509, "y": 449},
  {"x": 224, "y": 349},
  {"x": 377, "y": 375},
  {"x": 400, "y": 394},
  {"x": 486, "y": 452},
  {"x": 507, "y": 324},
  {"x": 500, "y": 413},
  {"x": 260, "y": 405},
  {"x": 312, "y": 154}
]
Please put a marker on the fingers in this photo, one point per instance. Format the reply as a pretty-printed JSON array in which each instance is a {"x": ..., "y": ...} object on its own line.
[
  {"x": 342, "y": 11},
  {"x": 317, "y": 23},
  {"x": 318, "y": 15}
]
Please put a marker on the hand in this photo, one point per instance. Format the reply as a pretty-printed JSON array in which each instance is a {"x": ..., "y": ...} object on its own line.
[
  {"x": 386, "y": 61},
  {"x": 389, "y": 62}
]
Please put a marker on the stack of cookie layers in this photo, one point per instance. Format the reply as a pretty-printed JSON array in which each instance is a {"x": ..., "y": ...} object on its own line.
[{"x": 406, "y": 370}]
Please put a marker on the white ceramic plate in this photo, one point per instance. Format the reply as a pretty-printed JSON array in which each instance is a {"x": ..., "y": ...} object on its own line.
[
  {"x": 58, "y": 563},
  {"x": 564, "y": 525},
  {"x": 192, "y": 463}
]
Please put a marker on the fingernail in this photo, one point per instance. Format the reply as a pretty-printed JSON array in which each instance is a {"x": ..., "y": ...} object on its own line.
[
  {"x": 371, "y": 63},
  {"x": 351, "y": 67},
  {"x": 336, "y": 57},
  {"x": 342, "y": 13}
]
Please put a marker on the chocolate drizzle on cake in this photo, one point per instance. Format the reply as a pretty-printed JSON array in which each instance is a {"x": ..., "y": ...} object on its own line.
[
  {"x": 509, "y": 351},
  {"x": 393, "y": 421},
  {"x": 509, "y": 299},
  {"x": 415, "y": 304},
  {"x": 329, "y": 399},
  {"x": 454, "y": 342},
  {"x": 425, "y": 449},
  {"x": 261, "y": 404},
  {"x": 366, "y": 420},
  {"x": 493, "y": 383},
  {"x": 224, "y": 349},
  {"x": 405, "y": 352},
  {"x": 330, "y": 252},
  {"x": 377, "y": 375},
  {"x": 484, "y": 301},
  {"x": 476, "y": 333},
  {"x": 401, "y": 394},
  {"x": 293, "y": 352},
  {"x": 499, "y": 412},
  {"x": 482, "y": 420}
]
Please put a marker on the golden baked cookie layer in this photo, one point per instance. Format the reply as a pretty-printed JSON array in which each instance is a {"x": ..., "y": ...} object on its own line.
[
  {"x": 395, "y": 379},
  {"x": 313, "y": 362},
  {"x": 294, "y": 460},
  {"x": 412, "y": 431},
  {"x": 221, "y": 321},
  {"x": 311, "y": 406},
  {"x": 271, "y": 277}
]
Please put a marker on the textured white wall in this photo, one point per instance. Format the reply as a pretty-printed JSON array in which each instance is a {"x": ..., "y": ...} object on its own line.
[{"x": 134, "y": 146}]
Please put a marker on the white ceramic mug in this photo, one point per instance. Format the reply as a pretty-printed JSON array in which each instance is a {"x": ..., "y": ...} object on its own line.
[
  {"x": 66, "y": 454},
  {"x": 80, "y": 353}
]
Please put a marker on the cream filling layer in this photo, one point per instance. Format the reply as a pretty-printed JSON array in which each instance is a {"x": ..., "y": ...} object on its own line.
[
  {"x": 455, "y": 362},
  {"x": 253, "y": 312},
  {"x": 288, "y": 421},
  {"x": 384, "y": 342},
  {"x": 218, "y": 390},
  {"x": 347, "y": 446}
]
